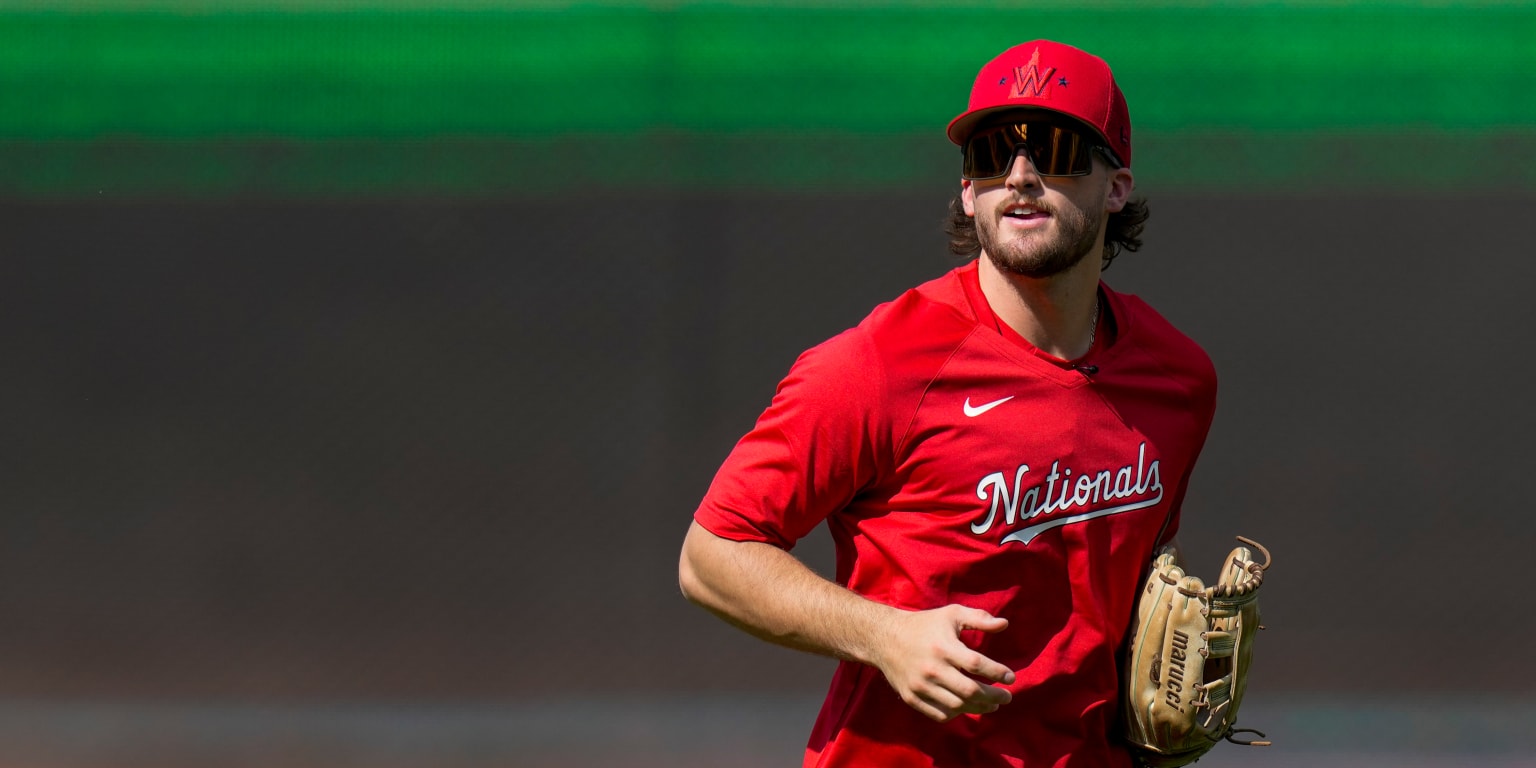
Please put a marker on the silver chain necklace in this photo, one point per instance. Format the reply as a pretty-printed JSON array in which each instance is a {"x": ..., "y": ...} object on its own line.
[{"x": 1093, "y": 325}]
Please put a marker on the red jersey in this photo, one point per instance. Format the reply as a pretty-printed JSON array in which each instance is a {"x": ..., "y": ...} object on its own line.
[{"x": 955, "y": 463}]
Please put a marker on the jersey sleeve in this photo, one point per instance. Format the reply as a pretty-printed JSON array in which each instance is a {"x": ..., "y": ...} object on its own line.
[{"x": 821, "y": 440}]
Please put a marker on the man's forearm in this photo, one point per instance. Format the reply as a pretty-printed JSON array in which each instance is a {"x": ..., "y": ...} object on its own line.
[{"x": 772, "y": 595}]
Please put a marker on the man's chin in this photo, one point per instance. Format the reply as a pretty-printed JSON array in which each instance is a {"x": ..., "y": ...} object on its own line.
[{"x": 1036, "y": 267}]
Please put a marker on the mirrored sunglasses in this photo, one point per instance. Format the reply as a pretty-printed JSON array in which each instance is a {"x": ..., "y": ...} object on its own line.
[{"x": 1055, "y": 150}]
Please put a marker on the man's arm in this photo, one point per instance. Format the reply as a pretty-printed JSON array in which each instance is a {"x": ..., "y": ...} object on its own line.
[{"x": 772, "y": 595}]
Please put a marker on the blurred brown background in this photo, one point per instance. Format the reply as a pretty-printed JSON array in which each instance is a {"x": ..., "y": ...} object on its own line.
[
  {"x": 365, "y": 361},
  {"x": 301, "y": 454}
]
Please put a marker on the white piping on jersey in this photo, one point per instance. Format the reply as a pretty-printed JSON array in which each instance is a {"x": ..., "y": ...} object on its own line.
[{"x": 1028, "y": 534}]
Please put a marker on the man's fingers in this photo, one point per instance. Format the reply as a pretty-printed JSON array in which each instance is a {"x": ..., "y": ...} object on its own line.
[
  {"x": 980, "y": 697},
  {"x": 993, "y": 697},
  {"x": 971, "y": 695},
  {"x": 974, "y": 663},
  {"x": 938, "y": 674},
  {"x": 931, "y": 712},
  {"x": 941, "y": 704},
  {"x": 942, "y": 699},
  {"x": 985, "y": 668},
  {"x": 975, "y": 618}
]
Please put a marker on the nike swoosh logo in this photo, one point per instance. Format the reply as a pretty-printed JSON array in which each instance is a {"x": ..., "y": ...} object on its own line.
[{"x": 976, "y": 410}]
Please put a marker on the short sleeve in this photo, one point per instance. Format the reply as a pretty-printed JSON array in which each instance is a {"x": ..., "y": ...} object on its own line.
[{"x": 821, "y": 440}]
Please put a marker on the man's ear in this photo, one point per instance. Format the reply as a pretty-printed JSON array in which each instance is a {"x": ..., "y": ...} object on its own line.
[
  {"x": 968, "y": 197},
  {"x": 1118, "y": 192}
]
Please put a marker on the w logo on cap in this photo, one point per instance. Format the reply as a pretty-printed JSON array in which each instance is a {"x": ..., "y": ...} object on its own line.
[
  {"x": 1075, "y": 83},
  {"x": 1028, "y": 82}
]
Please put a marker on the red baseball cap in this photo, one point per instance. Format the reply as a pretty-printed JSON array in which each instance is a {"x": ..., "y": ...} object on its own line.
[{"x": 1043, "y": 74}]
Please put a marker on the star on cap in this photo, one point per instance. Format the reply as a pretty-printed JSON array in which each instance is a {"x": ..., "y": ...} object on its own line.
[{"x": 1063, "y": 82}]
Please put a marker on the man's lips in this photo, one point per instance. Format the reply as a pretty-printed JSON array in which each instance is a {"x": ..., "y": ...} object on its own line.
[{"x": 1024, "y": 215}]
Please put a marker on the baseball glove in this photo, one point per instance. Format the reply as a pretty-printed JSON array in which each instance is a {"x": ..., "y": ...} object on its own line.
[{"x": 1188, "y": 658}]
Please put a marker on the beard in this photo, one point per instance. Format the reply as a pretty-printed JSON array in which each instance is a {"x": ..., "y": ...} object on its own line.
[{"x": 1029, "y": 254}]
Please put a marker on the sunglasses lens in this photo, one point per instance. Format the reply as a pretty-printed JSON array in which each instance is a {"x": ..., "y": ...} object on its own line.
[
  {"x": 1055, "y": 151},
  {"x": 989, "y": 153},
  {"x": 1060, "y": 152}
]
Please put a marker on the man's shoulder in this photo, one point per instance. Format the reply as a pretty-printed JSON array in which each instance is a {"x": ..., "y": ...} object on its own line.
[
  {"x": 935, "y": 315},
  {"x": 935, "y": 310},
  {"x": 897, "y": 347},
  {"x": 1156, "y": 335}
]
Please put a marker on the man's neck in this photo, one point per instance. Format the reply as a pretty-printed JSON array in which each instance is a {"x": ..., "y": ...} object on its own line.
[{"x": 1056, "y": 314}]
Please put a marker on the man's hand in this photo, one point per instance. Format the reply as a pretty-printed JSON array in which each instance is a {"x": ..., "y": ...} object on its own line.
[
  {"x": 774, "y": 596},
  {"x": 935, "y": 673}
]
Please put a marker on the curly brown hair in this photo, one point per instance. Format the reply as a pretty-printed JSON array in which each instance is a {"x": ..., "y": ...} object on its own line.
[{"x": 1121, "y": 232}]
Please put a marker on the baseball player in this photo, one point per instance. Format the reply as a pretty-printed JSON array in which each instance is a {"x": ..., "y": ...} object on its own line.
[{"x": 996, "y": 452}]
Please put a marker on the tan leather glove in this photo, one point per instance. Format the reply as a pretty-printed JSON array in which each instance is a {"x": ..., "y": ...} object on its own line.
[{"x": 1187, "y": 659}]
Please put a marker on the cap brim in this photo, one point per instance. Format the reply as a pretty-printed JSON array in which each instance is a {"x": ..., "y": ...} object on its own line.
[{"x": 960, "y": 128}]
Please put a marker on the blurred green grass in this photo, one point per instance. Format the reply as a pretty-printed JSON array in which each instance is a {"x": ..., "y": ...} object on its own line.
[{"x": 299, "y": 98}]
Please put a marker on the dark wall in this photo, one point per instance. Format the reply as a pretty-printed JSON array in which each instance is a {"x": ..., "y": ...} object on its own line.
[{"x": 407, "y": 448}]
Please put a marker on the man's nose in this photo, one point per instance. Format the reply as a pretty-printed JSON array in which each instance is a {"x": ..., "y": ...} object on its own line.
[{"x": 1022, "y": 173}]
